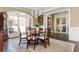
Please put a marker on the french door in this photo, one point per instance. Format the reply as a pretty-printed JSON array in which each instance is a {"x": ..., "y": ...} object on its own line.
[
  {"x": 12, "y": 23},
  {"x": 17, "y": 21},
  {"x": 60, "y": 24}
]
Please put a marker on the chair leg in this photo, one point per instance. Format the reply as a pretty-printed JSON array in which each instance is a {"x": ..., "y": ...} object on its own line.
[
  {"x": 48, "y": 42},
  {"x": 27, "y": 44},
  {"x": 34, "y": 44},
  {"x": 44, "y": 43},
  {"x": 37, "y": 41},
  {"x": 20, "y": 42}
]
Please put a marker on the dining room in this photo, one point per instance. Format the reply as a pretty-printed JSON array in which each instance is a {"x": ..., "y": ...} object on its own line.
[{"x": 37, "y": 29}]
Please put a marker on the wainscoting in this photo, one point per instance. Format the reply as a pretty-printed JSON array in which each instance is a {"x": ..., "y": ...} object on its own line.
[
  {"x": 74, "y": 37},
  {"x": 74, "y": 34}
]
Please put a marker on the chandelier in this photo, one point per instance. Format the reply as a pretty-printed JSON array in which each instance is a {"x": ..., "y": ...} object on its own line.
[{"x": 35, "y": 12}]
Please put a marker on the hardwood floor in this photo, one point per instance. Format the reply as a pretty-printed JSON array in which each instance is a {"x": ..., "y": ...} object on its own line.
[
  {"x": 76, "y": 48},
  {"x": 11, "y": 45}
]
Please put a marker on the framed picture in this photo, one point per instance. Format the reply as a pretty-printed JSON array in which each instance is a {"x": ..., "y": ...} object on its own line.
[{"x": 40, "y": 20}]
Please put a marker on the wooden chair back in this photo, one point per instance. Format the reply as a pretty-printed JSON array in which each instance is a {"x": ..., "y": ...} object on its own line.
[{"x": 31, "y": 32}]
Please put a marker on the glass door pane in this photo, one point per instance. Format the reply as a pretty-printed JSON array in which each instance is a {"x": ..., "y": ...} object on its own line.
[
  {"x": 63, "y": 21},
  {"x": 22, "y": 24},
  {"x": 63, "y": 24},
  {"x": 63, "y": 29},
  {"x": 13, "y": 24},
  {"x": 58, "y": 24}
]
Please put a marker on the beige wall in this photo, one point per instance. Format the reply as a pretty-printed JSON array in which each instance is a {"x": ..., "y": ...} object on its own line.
[{"x": 74, "y": 17}]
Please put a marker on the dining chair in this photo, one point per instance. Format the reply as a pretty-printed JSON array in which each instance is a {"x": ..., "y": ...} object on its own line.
[
  {"x": 22, "y": 36},
  {"x": 44, "y": 37},
  {"x": 47, "y": 36},
  {"x": 31, "y": 37}
]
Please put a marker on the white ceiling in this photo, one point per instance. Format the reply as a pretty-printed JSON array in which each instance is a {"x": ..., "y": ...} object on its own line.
[{"x": 41, "y": 9}]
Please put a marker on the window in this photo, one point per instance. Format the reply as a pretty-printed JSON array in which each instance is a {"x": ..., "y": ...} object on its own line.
[
  {"x": 18, "y": 20},
  {"x": 13, "y": 24},
  {"x": 60, "y": 24}
]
